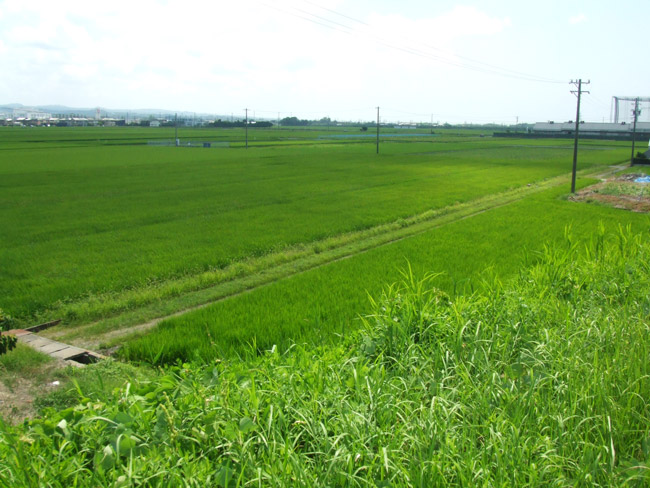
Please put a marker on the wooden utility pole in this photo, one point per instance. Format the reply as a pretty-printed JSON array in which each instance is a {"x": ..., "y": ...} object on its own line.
[
  {"x": 578, "y": 93},
  {"x": 377, "y": 130},
  {"x": 176, "y": 141},
  {"x": 636, "y": 116},
  {"x": 246, "y": 125}
]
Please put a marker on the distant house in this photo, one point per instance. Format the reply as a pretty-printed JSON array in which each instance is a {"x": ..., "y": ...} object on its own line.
[{"x": 154, "y": 123}]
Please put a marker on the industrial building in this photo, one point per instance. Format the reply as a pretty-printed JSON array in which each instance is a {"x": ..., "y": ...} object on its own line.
[{"x": 595, "y": 130}]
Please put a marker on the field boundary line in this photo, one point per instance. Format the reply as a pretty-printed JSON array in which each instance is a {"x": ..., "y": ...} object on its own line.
[{"x": 306, "y": 257}]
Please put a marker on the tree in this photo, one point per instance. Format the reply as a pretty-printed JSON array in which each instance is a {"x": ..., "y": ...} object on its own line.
[
  {"x": 293, "y": 121},
  {"x": 7, "y": 342}
]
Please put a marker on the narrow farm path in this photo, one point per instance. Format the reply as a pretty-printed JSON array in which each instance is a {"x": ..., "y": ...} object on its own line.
[{"x": 111, "y": 332}]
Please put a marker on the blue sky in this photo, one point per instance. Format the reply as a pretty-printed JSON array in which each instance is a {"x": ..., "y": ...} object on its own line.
[{"x": 450, "y": 61}]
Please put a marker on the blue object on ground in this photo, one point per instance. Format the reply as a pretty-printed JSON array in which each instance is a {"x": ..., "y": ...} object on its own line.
[{"x": 642, "y": 179}]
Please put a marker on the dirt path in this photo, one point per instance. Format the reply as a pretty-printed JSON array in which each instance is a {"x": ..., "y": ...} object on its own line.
[{"x": 18, "y": 390}]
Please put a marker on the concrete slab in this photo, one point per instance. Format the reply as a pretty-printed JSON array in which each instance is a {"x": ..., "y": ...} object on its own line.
[
  {"x": 40, "y": 342},
  {"x": 53, "y": 347},
  {"x": 47, "y": 325},
  {"x": 17, "y": 332},
  {"x": 56, "y": 349},
  {"x": 27, "y": 338},
  {"x": 68, "y": 352}
]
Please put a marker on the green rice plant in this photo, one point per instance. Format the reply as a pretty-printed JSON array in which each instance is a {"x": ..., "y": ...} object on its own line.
[
  {"x": 323, "y": 304},
  {"x": 94, "y": 225},
  {"x": 539, "y": 381}
]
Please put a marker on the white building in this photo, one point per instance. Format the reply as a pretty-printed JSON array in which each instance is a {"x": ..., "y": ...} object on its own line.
[{"x": 590, "y": 128}]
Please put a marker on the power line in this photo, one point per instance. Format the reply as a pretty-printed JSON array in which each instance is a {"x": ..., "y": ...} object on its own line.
[
  {"x": 273, "y": 7},
  {"x": 329, "y": 109},
  {"x": 476, "y": 65},
  {"x": 598, "y": 101},
  {"x": 436, "y": 48},
  {"x": 337, "y": 13}
]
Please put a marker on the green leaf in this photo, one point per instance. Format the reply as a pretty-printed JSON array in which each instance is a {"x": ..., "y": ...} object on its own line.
[
  {"x": 246, "y": 424},
  {"x": 124, "y": 444},
  {"x": 224, "y": 476},
  {"x": 107, "y": 460},
  {"x": 161, "y": 430},
  {"x": 123, "y": 418},
  {"x": 244, "y": 382}
]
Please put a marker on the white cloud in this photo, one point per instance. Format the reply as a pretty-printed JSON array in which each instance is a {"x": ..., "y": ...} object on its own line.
[
  {"x": 434, "y": 32},
  {"x": 275, "y": 54},
  {"x": 577, "y": 19}
]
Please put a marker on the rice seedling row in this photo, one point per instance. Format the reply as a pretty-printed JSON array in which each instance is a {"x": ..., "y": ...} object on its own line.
[{"x": 321, "y": 305}]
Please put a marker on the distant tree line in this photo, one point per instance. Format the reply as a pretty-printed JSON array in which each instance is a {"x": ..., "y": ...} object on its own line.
[{"x": 294, "y": 122}]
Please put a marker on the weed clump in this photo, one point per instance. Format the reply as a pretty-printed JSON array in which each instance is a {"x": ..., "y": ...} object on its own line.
[{"x": 7, "y": 341}]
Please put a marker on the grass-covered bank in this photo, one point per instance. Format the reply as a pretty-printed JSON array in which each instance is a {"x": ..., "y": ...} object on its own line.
[{"x": 541, "y": 382}]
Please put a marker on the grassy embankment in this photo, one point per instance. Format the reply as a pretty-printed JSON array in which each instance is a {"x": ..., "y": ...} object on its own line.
[{"x": 541, "y": 382}]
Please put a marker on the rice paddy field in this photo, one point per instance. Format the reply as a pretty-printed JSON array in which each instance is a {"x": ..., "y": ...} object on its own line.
[
  {"x": 322, "y": 305},
  {"x": 91, "y": 213},
  {"x": 439, "y": 314}
]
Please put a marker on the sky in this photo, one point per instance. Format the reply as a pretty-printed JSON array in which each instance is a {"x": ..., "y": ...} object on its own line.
[{"x": 501, "y": 61}]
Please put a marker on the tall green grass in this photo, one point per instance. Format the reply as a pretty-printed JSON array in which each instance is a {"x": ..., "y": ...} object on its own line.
[
  {"x": 543, "y": 381},
  {"x": 322, "y": 304}
]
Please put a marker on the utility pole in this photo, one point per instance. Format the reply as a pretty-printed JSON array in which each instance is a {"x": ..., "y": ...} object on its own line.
[
  {"x": 176, "y": 129},
  {"x": 377, "y": 130},
  {"x": 246, "y": 125},
  {"x": 636, "y": 116},
  {"x": 578, "y": 93}
]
